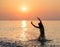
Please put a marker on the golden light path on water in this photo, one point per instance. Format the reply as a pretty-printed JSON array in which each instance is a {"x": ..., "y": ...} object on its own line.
[
  {"x": 23, "y": 36},
  {"x": 23, "y": 24}
]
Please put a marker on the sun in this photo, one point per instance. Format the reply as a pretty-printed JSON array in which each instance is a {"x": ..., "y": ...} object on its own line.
[{"x": 24, "y": 9}]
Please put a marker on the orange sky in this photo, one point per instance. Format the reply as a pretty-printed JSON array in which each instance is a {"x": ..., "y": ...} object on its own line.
[{"x": 45, "y": 9}]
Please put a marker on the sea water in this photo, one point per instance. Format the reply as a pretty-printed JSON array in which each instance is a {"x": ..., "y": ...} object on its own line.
[{"x": 16, "y": 31}]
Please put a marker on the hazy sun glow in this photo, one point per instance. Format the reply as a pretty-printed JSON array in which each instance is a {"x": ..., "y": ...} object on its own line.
[{"x": 24, "y": 8}]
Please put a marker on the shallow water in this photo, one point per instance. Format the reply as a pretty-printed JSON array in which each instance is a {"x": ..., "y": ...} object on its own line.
[{"x": 11, "y": 31}]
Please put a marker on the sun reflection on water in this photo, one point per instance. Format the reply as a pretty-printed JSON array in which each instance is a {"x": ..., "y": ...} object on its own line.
[
  {"x": 24, "y": 29},
  {"x": 23, "y": 24}
]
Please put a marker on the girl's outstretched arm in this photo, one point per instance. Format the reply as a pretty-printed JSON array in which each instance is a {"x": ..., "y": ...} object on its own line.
[
  {"x": 34, "y": 25},
  {"x": 39, "y": 19}
]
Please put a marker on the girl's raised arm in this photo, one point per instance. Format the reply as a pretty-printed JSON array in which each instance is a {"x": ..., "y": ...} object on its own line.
[{"x": 34, "y": 25}]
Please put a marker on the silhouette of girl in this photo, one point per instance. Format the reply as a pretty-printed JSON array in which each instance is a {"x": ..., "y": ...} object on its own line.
[{"x": 41, "y": 28}]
